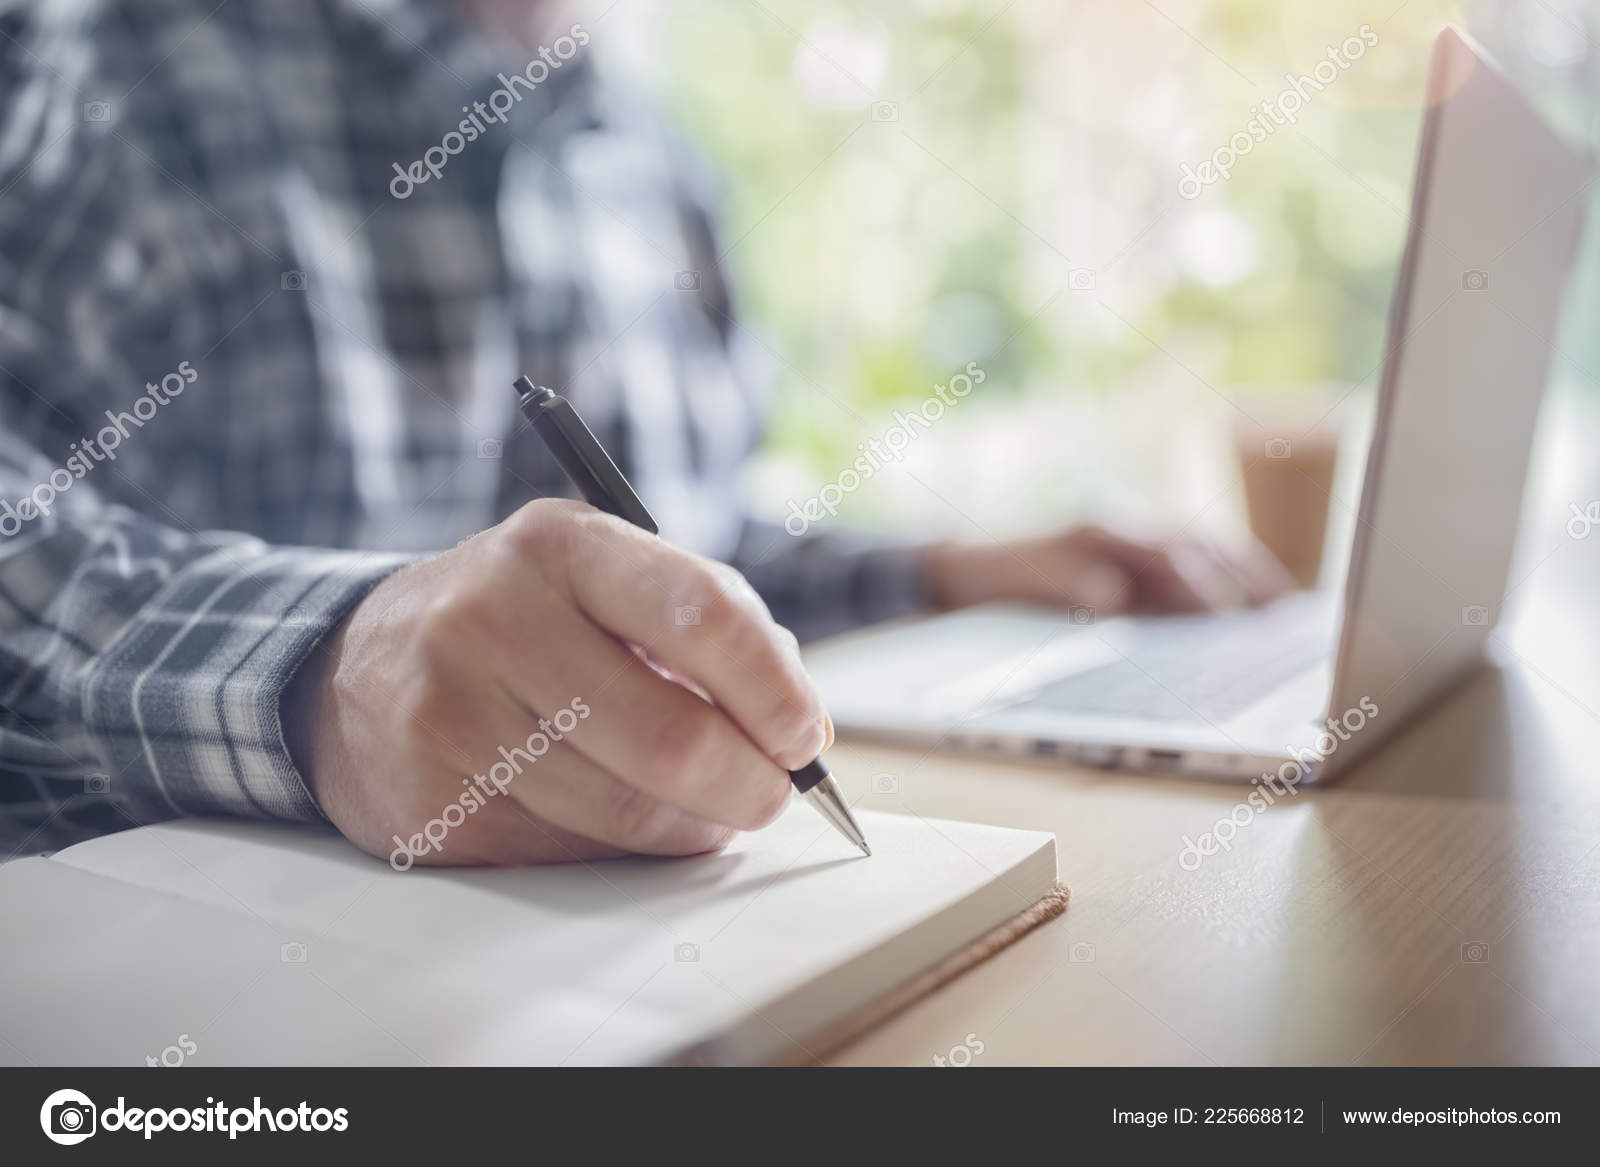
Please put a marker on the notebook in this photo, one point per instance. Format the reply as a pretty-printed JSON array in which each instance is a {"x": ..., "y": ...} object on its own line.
[{"x": 264, "y": 944}]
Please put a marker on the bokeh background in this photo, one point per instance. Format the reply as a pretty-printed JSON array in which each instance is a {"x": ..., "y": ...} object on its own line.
[{"x": 918, "y": 184}]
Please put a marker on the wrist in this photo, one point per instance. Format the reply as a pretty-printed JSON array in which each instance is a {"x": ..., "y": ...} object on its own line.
[
  {"x": 948, "y": 574},
  {"x": 305, "y": 698}
]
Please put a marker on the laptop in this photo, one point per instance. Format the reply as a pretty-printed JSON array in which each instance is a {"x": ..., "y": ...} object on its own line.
[{"x": 1307, "y": 685}]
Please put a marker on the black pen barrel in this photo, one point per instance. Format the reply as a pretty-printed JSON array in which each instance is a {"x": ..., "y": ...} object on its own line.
[{"x": 581, "y": 456}]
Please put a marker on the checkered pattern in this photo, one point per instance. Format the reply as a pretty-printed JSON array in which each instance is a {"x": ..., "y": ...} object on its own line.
[{"x": 190, "y": 184}]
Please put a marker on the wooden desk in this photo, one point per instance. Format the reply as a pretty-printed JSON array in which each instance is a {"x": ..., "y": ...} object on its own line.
[{"x": 1440, "y": 905}]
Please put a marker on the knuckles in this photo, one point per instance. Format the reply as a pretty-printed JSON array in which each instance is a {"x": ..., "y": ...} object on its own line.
[
  {"x": 728, "y": 608},
  {"x": 541, "y": 531},
  {"x": 444, "y": 623}
]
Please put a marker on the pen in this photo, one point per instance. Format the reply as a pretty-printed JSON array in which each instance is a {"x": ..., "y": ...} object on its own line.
[{"x": 603, "y": 487}]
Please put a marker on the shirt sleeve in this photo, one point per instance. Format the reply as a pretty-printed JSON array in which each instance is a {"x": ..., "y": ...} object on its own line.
[
  {"x": 141, "y": 664},
  {"x": 142, "y": 667}
]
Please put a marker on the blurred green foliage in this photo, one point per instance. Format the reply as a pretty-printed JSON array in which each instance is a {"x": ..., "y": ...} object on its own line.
[
  {"x": 880, "y": 247},
  {"x": 853, "y": 268}
]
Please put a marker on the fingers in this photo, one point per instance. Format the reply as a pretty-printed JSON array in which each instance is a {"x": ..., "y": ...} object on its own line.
[
  {"x": 700, "y": 619},
  {"x": 1230, "y": 578},
  {"x": 506, "y": 833},
  {"x": 579, "y": 816},
  {"x": 491, "y": 753},
  {"x": 1190, "y": 575},
  {"x": 651, "y": 733},
  {"x": 1257, "y": 569},
  {"x": 565, "y": 789},
  {"x": 1159, "y": 579},
  {"x": 1105, "y": 587}
]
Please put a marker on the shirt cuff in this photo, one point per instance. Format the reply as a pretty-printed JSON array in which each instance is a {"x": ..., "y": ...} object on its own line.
[{"x": 183, "y": 707}]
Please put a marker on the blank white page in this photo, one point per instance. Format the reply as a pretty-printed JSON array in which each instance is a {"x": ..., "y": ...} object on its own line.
[{"x": 275, "y": 945}]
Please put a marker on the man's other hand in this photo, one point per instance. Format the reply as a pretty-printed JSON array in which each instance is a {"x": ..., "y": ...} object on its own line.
[{"x": 1111, "y": 573}]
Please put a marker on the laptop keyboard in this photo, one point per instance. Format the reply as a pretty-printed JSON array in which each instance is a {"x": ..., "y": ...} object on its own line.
[{"x": 1182, "y": 667}]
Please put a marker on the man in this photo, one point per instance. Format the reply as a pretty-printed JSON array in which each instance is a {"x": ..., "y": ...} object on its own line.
[{"x": 266, "y": 539}]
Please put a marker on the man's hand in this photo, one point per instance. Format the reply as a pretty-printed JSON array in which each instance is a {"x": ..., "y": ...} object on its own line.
[
  {"x": 496, "y": 693},
  {"x": 1107, "y": 572}
]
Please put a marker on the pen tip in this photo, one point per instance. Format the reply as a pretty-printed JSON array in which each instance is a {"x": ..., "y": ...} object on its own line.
[{"x": 866, "y": 850}]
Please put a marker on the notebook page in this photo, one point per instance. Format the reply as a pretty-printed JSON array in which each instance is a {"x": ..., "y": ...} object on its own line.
[{"x": 626, "y": 960}]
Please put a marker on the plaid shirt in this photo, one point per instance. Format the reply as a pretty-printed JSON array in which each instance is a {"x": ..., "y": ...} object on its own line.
[{"x": 246, "y": 381}]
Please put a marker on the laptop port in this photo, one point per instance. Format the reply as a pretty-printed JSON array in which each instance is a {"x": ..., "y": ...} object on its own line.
[{"x": 1106, "y": 756}]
